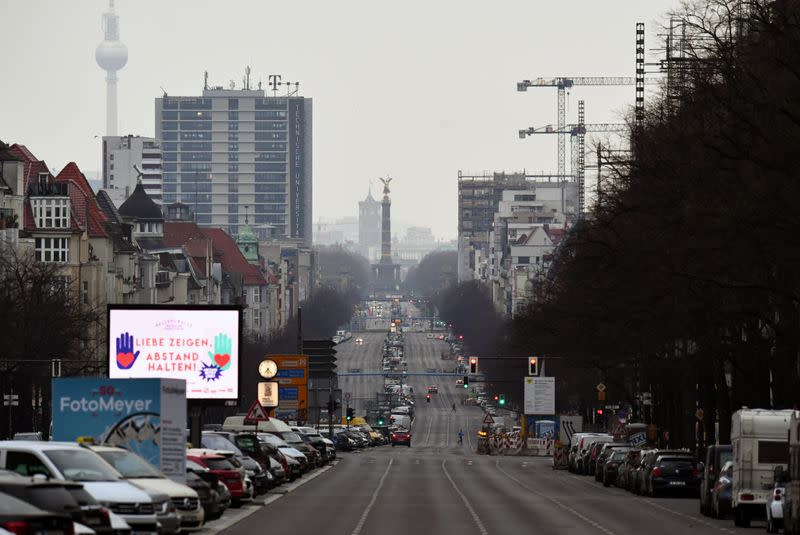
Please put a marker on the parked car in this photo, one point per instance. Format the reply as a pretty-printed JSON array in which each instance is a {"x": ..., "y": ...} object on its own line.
[
  {"x": 69, "y": 461},
  {"x": 721, "y": 492},
  {"x": 672, "y": 472},
  {"x": 611, "y": 466},
  {"x": 56, "y": 497},
  {"x": 22, "y": 518},
  {"x": 206, "y": 493},
  {"x": 605, "y": 451},
  {"x": 184, "y": 500},
  {"x": 625, "y": 471},
  {"x": 221, "y": 441},
  {"x": 401, "y": 437},
  {"x": 716, "y": 456},
  {"x": 230, "y": 475},
  {"x": 300, "y": 463}
]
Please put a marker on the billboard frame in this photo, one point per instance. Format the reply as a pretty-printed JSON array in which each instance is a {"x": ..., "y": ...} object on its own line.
[{"x": 203, "y": 402}]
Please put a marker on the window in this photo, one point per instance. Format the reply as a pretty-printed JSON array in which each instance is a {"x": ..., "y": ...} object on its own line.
[
  {"x": 85, "y": 292},
  {"x": 772, "y": 452},
  {"x": 233, "y": 115},
  {"x": 233, "y": 103},
  {"x": 50, "y": 212},
  {"x": 256, "y": 317},
  {"x": 52, "y": 249},
  {"x": 257, "y": 294},
  {"x": 26, "y": 464},
  {"x": 524, "y": 260},
  {"x": 112, "y": 157}
]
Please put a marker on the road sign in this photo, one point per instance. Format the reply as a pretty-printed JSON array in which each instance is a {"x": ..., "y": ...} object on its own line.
[
  {"x": 347, "y": 396},
  {"x": 601, "y": 387},
  {"x": 601, "y": 396},
  {"x": 488, "y": 420},
  {"x": 268, "y": 394},
  {"x": 256, "y": 413}
]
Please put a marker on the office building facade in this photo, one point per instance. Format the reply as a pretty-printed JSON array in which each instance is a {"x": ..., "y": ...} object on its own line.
[
  {"x": 122, "y": 156},
  {"x": 237, "y": 156}
]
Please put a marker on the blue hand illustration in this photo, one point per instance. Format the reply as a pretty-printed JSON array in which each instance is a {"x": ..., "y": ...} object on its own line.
[{"x": 125, "y": 354}]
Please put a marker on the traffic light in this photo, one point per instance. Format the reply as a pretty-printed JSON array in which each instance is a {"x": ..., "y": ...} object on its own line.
[
  {"x": 428, "y": 398},
  {"x": 599, "y": 412},
  {"x": 380, "y": 420},
  {"x": 533, "y": 366},
  {"x": 350, "y": 413},
  {"x": 496, "y": 397},
  {"x": 466, "y": 381},
  {"x": 502, "y": 399},
  {"x": 473, "y": 365}
]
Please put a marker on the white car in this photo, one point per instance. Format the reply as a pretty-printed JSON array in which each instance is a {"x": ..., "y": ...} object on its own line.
[
  {"x": 141, "y": 473},
  {"x": 69, "y": 461},
  {"x": 775, "y": 509}
]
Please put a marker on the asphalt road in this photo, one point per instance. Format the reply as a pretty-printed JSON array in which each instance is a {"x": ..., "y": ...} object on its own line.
[{"x": 439, "y": 486}]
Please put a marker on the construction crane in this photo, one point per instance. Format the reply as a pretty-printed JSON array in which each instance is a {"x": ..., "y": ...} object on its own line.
[
  {"x": 577, "y": 132},
  {"x": 565, "y": 83}
]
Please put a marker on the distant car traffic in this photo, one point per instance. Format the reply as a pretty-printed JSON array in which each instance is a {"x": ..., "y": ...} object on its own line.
[
  {"x": 433, "y": 389},
  {"x": 459, "y": 382},
  {"x": 359, "y": 341}
]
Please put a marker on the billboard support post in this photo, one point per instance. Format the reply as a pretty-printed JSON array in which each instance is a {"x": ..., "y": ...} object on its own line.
[{"x": 195, "y": 422}]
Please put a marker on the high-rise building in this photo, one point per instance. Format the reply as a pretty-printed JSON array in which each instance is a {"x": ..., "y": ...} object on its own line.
[
  {"x": 236, "y": 153},
  {"x": 125, "y": 160},
  {"x": 369, "y": 227}
]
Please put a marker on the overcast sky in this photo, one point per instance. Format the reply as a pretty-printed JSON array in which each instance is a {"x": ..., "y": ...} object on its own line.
[{"x": 415, "y": 89}]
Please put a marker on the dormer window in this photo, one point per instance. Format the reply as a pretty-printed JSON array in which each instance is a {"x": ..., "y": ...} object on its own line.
[{"x": 49, "y": 212}]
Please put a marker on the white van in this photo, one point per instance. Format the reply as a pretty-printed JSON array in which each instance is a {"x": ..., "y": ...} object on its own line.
[
  {"x": 760, "y": 443},
  {"x": 401, "y": 420}
]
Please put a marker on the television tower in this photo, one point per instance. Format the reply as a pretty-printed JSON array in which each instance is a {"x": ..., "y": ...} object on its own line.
[{"x": 111, "y": 56}]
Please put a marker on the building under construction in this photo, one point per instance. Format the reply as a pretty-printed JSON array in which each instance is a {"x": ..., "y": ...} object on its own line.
[{"x": 479, "y": 198}]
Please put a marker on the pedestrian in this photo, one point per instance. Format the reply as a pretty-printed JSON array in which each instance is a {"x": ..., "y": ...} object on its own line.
[
  {"x": 460, "y": 436},
  {"x": 454, "y": 407}
]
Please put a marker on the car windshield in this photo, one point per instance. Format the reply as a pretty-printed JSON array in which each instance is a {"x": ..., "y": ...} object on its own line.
[
  {"x": 51, "y": 498},
  {"x": 676, "y": 463},
  {"x": 248, "y": 443},
  {"x": 618, "y": 456},
  {"x": 291, "y": 438},
  {"x": 217, "y": 442},
  {"x": 80, "y": 464},
  {"x": 10, "y": 505},
  {"x": 724, "y": 457},
  {"x": 130, "y": 465},
  {"x": 272, "y": 439},
  {"x": 81, "y": 495},
  {"x": 191, "y": 465},
  {"x": 219, "y": 464}
]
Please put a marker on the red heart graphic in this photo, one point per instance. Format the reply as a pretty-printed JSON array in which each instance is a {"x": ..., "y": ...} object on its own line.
[
  {"x": 222, "y": 360},
  {"x": 124, "y": 360}
]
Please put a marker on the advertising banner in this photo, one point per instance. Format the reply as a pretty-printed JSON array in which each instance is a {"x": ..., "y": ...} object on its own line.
[
  {"x": 540, "y": 395},
  {"x": 145, "y": 416},
  {"x": 197, "y": 344}
]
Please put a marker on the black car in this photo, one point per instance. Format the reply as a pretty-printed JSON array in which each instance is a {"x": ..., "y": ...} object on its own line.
[
  {"x": 602, "y": 456},
  {"x": 612, "y": 465},
  {"x": 207, "y": 485},
  {"x": 255, "y": 471},
  {"x": 716, "y": 457},
  {"x": 673, "y": 472},
  {"x": 29, "y": 519},
  {"x": 61, "y": 497}
]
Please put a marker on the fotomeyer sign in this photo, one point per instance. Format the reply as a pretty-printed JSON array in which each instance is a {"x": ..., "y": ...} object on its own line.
[
  {"x": 197, "y": 344},
  {"x": 146, "y": 416}
]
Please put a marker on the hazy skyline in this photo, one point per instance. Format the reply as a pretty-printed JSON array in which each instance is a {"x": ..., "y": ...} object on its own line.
[{"x": 416, "y": 90}]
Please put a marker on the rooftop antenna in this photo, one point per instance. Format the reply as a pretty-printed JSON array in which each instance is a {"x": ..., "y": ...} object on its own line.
[
  {"x": 164, "y": 91},
  {"x": 232, "y": 85},
  {"x": 205, "y": 80},
  {"x": 259, "y": 84},
  {"x": 247, "y": 77}
]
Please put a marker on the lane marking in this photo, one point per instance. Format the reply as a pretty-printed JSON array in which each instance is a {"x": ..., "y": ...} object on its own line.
[
  {"x": 428, "y": 434},
  {"x": 472, "y": 512},
  {"x": 469, "y": 433},
  {"x": 684, "y": 515},
  {"x": 555, "y": 501},
  {"x": 364, "y": 515}
]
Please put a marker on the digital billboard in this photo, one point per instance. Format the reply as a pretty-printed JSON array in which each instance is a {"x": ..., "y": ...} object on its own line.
[{"x": 199, "y": 344}]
